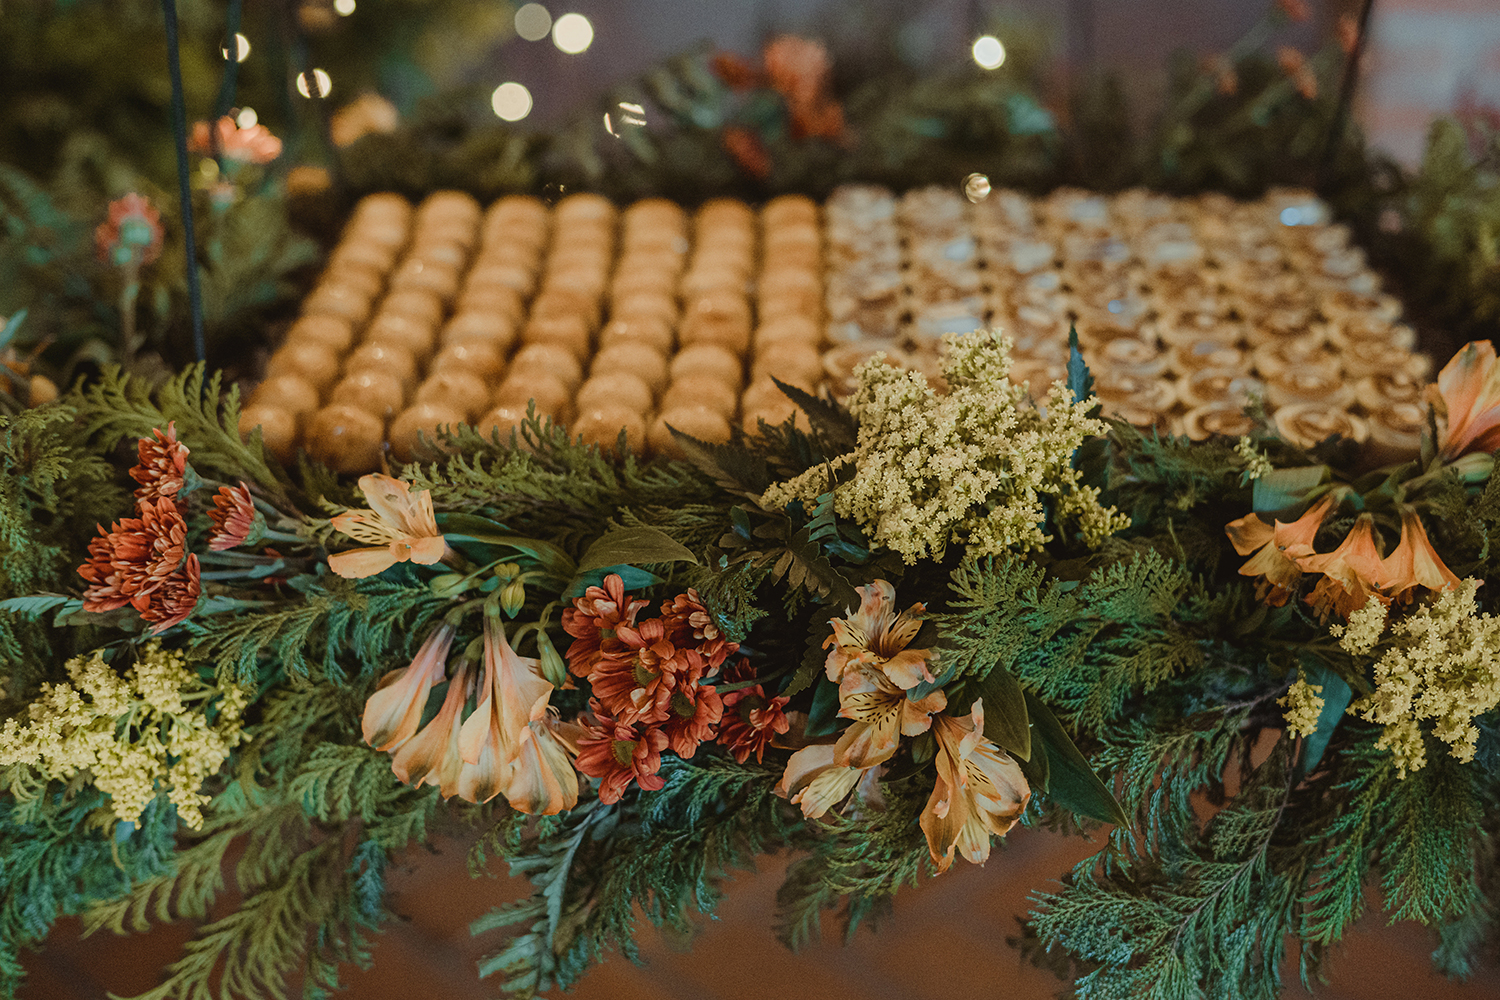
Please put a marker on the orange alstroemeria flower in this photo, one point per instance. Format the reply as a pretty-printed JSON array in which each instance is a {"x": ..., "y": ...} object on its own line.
[
  {"x": 815, "y": 781},
  {"x": 544, "y": 782},
  {"x": 1351, "y": 573},
  {"x": 1279, "y": 549},
  {"x": 1414, "y": 563},
  {"x": 400, "y": 524},
  {"x": 1466, "y": 402},
  {"x": 512, "y": 694},
  {"x": 882, "y": 714},
  {"x": 876, "y": 636},
  {"x": 394, "y": 711},
  {"x": 432, "y": 757},
  {"x": 255, "y": 144},
  {"x": 979, "y": 791}
]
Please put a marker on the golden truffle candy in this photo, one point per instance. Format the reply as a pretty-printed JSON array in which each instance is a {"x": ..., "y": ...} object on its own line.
[
  {"x": 420, "y": 305},
  {"x": 709, "y": 361},
  {"x": 700, "y": 422},
  {"x": 796, "y": 363},
  {"x": 338, "y": 300},
  {"x": 313, "y": 361},
  {"x": 645, "y": 329},
  {"x": 290, "y": 392},
  {"x": 346, "y": 438},
  {"x": 787, "y": 209},
  {"x": 389, "y": 359},
  {"x": 794, "y": 328},
  {"x": 497, "y": 300},
  {"x": 499, "y": 331},
  {"x": 615, "y": 388},
  {"x": 506, "y": 419},
  {"x": 601, "y": 426},
  {"x": 362, "y": 281},
  {"x": 570, "y": 333},
  {"x": 422, "y": 418},
  {"x": 462, "y": 391},
  {"x": 402, "y": 331},
  {"x": 717, "y": 318},
  {"x": 701, "y": 390},
  {"x": 547, "y": 361},
  {"x": 371, "y": 390},
  {"x": 636, "y": 358},
  {"x": 365, "y": 254},
  {"x": 278, "y": 429},
  {"x": 478, "y": 357},
  {"x": 550, "y": 395},
  {"x": 439, "y": 280},
  {"x": 332, "y": 332}
]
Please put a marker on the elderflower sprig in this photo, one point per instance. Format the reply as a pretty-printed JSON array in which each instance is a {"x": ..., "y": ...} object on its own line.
[
  {"x": 1303, "y": 703},
  {"x": 137, "y": 735},
  {"x": 1256, "y": 464},
  {"x": 969, "y": 467},
  {"x": 1444, "y": 669}
]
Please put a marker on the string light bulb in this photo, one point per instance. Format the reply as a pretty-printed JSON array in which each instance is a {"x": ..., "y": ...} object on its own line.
[
  {"x": 572, "y": 33},
  {"x": 343, "y": 8},
  {"x": 241, "y": 48},
  {"x": 314, "y": 83},
  {"x": 989, "y": 52}
]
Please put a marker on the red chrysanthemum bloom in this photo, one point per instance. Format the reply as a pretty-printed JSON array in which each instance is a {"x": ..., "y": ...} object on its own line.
[
  {"x": 694, "y": 715},
  {"x": 735, "y": 70},
  {"x": 637, "y": 683},
  {"x": 233, "y": 517},
  {"x": 751, "y": 720},
  {"x": 163, "y": 465},
  {"x": 133, "y": 233},
  {"x": 176, "y": 599},
  {"x": 689, "y": 625},
  {"x": 135, "y": 558},
  {"x": 618, "y": 754},
  {"x": 748, "y": 151},
  {"x": 255, "y": 144},
  {"x": 593, "y": 620}
]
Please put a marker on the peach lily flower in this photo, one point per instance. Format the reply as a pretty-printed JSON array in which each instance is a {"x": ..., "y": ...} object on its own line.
[
  {"x": 394, "y": 711},
  {"x": 882, "y": 714},
  {"x": 1466, "y": 402},
  {"x": 432, "y": 757},
  {"x": 400, "y": 524},
  {"x": 877, "y": 635},
  {"x": 815, "y": 781},
  {"x": 1351, "y": 572},
  {"x": 1414, "y": 563},
  {"x": 979, "y": 791},
  {"x": 544, "y": 782},
  {"x": 1279, "y": 550},
  {"x": 512, "y": 693}
]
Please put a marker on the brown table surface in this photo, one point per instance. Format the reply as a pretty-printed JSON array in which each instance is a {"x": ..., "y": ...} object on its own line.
[{"x": 947, "y": 938}]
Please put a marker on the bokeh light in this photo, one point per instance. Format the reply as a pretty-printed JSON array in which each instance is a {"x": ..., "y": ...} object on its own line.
[
  {"x": 247, "y": 118},
  {"x": 241, "y": 48},
  {"x": 976, "y": 187},
  {"x": 988, "y": 52},
  {"x": 511, "y": 101},
  {"x": 573, "y": 33},
  {"x": 533, "y": 22},
  {"x": 314, "y": 83},
  {"x": 343, "y": 8}
]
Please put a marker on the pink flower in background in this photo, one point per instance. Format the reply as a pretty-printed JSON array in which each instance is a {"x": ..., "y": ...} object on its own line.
[
  {"x": 133, "y": 233},
  {"x": 255, "y": 144}
]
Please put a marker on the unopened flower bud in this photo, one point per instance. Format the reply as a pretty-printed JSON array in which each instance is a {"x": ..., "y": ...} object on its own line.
[
  {"x": 1474, "y": 467},
  {"x": 513, "y": 596},
  {"x": 553, "y": 667}
]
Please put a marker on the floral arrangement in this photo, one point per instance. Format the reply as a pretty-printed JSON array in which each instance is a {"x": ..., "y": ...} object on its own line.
[{"x": 924, "y": 622}]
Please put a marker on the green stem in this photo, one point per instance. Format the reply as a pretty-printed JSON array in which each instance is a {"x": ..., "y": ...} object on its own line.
[{"x": 128, "y": 296}]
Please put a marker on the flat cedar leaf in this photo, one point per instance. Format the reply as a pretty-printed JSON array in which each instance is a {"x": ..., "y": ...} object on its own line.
[
  {"x": 634, "y": 546},
  {"x": 1336, "y": 696},
  {"x": 813, "y": 658},
  {"x": 632, "y": 577},
  {"x": 1080, "y": 380},
  {"x": 1072, "y": 784},
  {"x": 33, "y": 606},
  {"x": 732, "y": 466},
  {"x": 835, "y": 426},
  {"x": 1006, "y": 723},
  {"x": 1283, "y": 488}
]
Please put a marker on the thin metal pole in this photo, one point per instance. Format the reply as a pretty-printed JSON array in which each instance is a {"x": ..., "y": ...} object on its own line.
[
  {"x": 185, "y": 190},
  {"x": 1346, "y": 95}
]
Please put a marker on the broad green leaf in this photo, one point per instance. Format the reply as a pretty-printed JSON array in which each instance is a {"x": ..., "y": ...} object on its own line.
[
  {"x": 1006, "y": 723},
  {"x": 1283, "y": 488},
  {"x": 1336, "y": 696},
  {"x": 632, "y": 577},
  {"x": 823, "y": 716},
  {"x": 634, "y": 546},
  {"x": 33, "y": 606},
  {"x": 1072, "y": 784}
]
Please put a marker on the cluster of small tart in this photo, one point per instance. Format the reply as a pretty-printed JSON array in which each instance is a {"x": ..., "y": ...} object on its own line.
[
  {"x": 1184, "y": 306},
  {"x": 607, "y": 320}
]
